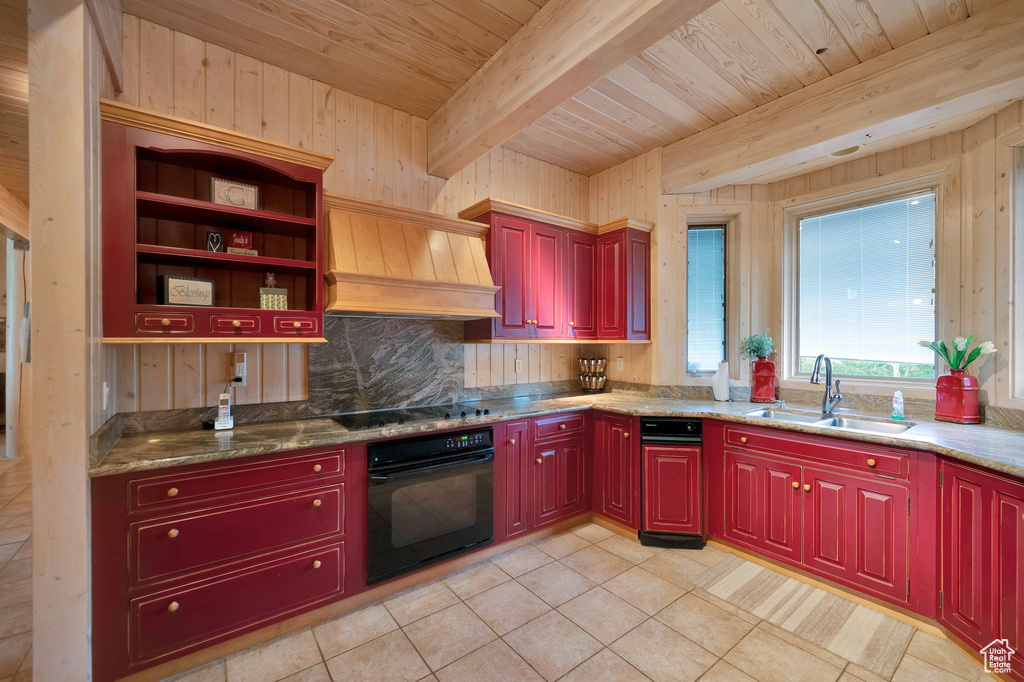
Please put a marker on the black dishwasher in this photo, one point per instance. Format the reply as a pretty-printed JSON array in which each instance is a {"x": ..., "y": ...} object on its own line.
[{"x": 672, "y": 482}]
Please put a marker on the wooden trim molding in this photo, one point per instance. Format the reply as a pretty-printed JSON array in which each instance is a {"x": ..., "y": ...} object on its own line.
[
  {"x": 212, "y": 339},
  {"x": 625, "y": 222},
  {"x": 519, "y": 211},
  {"x": 136, "y": 117},
  {"x": 392, "y": 296},
  {"x": 13, "y": 216},
  {"x": 400, "y": 214}
]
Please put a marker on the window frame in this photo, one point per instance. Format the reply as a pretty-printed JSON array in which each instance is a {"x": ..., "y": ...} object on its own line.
[
  {"x": 792, "y": 377},
  {"x": 722, "y": 225}
]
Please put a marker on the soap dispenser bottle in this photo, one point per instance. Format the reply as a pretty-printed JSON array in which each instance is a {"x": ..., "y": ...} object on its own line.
[
  {"x": 897, "y": 405},
  {"x": 720, "y": 382}
]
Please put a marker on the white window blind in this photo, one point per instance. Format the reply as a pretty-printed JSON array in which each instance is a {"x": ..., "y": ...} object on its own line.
[
  {"x": 705, "y": 298},
  {"x": 866, "y": 289}
]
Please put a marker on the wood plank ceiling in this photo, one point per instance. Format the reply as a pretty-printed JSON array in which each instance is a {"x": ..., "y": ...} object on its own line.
[
  {"x": 14, "y": 97},
  {"x": 736, "y": 56}
]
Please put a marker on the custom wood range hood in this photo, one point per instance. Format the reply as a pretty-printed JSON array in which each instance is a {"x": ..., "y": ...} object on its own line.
[{"x": 390, "y": 261}]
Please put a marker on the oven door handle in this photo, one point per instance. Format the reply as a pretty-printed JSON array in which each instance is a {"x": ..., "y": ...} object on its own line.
[{"x": 426, "y": 471}]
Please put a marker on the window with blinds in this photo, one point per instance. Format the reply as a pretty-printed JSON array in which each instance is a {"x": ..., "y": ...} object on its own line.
[
  {"x": 705, "y": 298},
  {"x": 867, "y": 288}
]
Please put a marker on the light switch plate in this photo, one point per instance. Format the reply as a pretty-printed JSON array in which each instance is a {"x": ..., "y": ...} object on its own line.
[
  {"x": 519, "y": 365},
  {"x": 620, "y": 363},
  {"x": 240, "y": 368}
]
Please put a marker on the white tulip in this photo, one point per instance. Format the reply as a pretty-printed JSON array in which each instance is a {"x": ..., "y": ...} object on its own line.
[
  {"x": 961, "y": 343},
  {"x": 926, "y": 344},
  {"x": 987, "y": 347}
]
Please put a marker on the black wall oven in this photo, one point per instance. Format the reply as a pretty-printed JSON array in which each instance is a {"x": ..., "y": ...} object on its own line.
[{"x": 430, "y": 498}]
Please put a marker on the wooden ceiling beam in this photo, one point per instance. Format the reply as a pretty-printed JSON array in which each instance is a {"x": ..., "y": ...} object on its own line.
[
  {"x": 964, "y": 67},
  {"x": 565, "y": 47},
  {"x": 13, "y": 216},
  {"x": 106, "y": 17}
]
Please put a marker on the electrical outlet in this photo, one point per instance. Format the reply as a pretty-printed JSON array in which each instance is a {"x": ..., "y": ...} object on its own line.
[
  {"x": 620, "y": 363},
  {"x": 239, "y": 360},
  {"x": 519, "y": 365},
  {"x": 106, "y": 393}
]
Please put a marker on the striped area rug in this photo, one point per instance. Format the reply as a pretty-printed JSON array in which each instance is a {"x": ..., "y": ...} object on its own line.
[{"x": 857, "y": 633}]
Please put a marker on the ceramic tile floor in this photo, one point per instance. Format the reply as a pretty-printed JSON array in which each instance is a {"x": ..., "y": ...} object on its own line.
[
  {"x": 584, "y": 605},
  {"x": 15, "y": 571}
]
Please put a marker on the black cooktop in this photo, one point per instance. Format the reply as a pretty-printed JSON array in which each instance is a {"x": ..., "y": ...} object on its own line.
[{"x": 375, "y": 419}]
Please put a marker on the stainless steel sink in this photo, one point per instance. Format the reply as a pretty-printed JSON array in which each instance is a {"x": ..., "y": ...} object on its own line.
[
  {"x": 865, "y": 425},
  {"x": 784, "y": 416}
]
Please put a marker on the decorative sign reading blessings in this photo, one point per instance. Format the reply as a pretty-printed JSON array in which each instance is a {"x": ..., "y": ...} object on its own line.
[{"x": 186, "y": 291}]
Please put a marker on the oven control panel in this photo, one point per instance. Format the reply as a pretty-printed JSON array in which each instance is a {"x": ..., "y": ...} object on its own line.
[{"x": 465, "y": 441}]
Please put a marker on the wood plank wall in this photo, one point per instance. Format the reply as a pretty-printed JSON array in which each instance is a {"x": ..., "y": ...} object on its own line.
[{"x": 380, "y": 154}]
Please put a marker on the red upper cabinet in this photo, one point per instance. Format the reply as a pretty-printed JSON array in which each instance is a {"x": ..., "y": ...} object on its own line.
[
  {"x": 582, "y": 286},
  {"x": 546, "y": 279},
  {"x": 623, "y": 298},
  {"x": 508, "y": 248}
]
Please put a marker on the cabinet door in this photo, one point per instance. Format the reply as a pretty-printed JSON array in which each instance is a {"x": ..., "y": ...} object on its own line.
[
  {"x": 546, "y": 281},
  {"x": 611, "y": 286},
  {"x": 516, "y": 469},
  {"x": 581, "y": 285},
  {"x": 762, "y": 504},
  {"x": 855, "y": 530},
  {"x": 556, "y": 481},
  {"x": 638, "y": 285},
  {"x": 510, "y": 265},
  {"x": 671, "y": 476},
  {"x": 618, "y": 480},
  {"x": 966, "y": 597},
  {"x": 1007, "y": 546}
]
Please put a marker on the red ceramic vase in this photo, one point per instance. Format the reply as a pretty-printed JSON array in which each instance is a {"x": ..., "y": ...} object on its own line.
[
  {"x": 956, "y": 398},
  {"x": 762, "y": 380}
]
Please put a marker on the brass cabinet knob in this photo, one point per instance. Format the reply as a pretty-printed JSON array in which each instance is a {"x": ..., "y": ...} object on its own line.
[
  {"x": 511, "y": 441},
  {"x": 871, "y": 462},
  {"x": 317, "y": 503},
  {"x": 173, "y": 606},
  {"x": 743, "y": 439},
  {"x": 317, "y": 468},
  {"x": 572, "y": 324},
  {"x": 172, "y": 533},
  {"x": 297, "y": 325},
  {"x": 796, "y": 484},
  {"x": 561, "y": 426},
  {"x": 236, "y": 323},
  {"x": 172, "y": 492},
  {"x": 539, "y": 460},
  {"x": 626, "y": 434},
  {"x": 807, "y": 487},
  {"x": 165, "y": 322},
  {"x": 317, "y": 564}
]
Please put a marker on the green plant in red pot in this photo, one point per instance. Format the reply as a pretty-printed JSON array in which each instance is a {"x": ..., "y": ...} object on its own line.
[
  {"x": 757, "y": 347},
  {"x": 956, "y": 393}
]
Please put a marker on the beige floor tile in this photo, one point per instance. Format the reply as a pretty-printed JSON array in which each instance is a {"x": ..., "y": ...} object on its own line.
[
  {"x": 390, "y": 657},
  {"x": 496, "y": 662},
  {"x": 563, "y": 544},
  {"x": 420, "y": 601},
  {"x": 19, "y": 534},
  {"x": 605, "y": 666},
  {"x": 448, "y": 635},
  {"x": 555, "y": 583},
  {"x": 941, "y": 653},
  {"x": 521, "y": 560},
  {"x": 15, "y": 620},
  {"x": 476, "y": 579},
  {"x": 429, "y": 678},
  {"x": 507, "y": 606},
  {"x": 214, "y": 672},
  {"x": 596, "y": 563},
  {"x": 17, "y": 569},
  {"x": 602, "y": 614},
  {"x": 801, "y": 643},
  {"x": 552, "y": 644},
  {"x": 591, "y": 532},
  {"x": 723, "y": 672},
  {"x": 12, "y": 653},
  {"x": 630, "y": 550},
  {"x": 674, "y": 568},
  {"x": 855, "y": 673},
  {"x": 771, "y": 659},
  {"x": 709, "y": 556},
  {"x": 707, "y": 625},
  {"x": 913, "y": 669},
  {"x": 318, "y": 673},
  {"x": 661, "y": 653},
  {"x": 338, "y": 635},
  {"x": 726, "y": 606},
  {"x": 644, "y": 590},
  {"x": 274, "y": 660},
  {"x": 16, "y": 592}
]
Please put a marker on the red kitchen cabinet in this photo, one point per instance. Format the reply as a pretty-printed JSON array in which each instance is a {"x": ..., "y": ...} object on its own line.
[
  {"x": 581, "y": 285},
  {"x": 617, "y": 469},
  {"x": 556, "y": 481},
  {"x": 982, "y": 521},
  {"x": 509, "y": 252},
  {"x": 623, "y": 300},
  {"x": 762, "y": 504},
  {"x": 546, "y": 299},
  {"x": 516, "y": 471},
  {"x": 671, "y": 484}
]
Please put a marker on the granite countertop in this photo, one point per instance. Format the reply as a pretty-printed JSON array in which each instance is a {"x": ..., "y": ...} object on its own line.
[{"x": 998, "y": 449}]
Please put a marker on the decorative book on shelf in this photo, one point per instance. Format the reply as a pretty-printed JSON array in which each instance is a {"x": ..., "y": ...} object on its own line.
[{"x": 208, "y": 210}]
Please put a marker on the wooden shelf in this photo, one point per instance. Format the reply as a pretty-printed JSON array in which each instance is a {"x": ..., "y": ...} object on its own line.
[
  {"x": 172, "y": 254},
  {"x": 168, "y": 207}
]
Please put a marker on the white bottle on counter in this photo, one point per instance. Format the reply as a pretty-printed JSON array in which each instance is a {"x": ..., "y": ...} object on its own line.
[
  {"x": 897, "y": 405},
  {"x": 720, "y": 382}
]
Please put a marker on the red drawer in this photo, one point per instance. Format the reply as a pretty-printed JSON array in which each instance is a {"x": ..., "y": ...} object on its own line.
[
  {"x": 860, "y": 458},
  {"x": 294, "y": 324},
  {"x": 175, "y": 620},
  {"x": 168, "y": 547},
  {"x": 173, "y": 489},
  {"x": 169, "y": 323},
  {"x": 557, "y": 425},
  {"x": 235, "y": 324}
]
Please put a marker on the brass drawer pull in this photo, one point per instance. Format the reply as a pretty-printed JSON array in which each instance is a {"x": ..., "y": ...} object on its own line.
[
  {"x": 317, "y": 468},
  {"x": 317, "y": 503},
  {"x": 165, "y": 322},
  {"x": 236, "y": 323},
  {"x": 743, "y": 439},
  {"x": 173, "y": 606},
  {"x": 807, "y": 487},
  {"x": 317, "y": 564},
  {"x": 871, "y": 463},
  {"x": 561, "y": 426},
  {"x": 626, "y": 434},
  {"x": 297, "y": 325},
  {"x": 511, "y": 441},
  {"x": 172, "y": 492},
  {"x": 540, "y": 461},
  {"x": 796, "y": 484},
  {"x": 172, "y": 533}
]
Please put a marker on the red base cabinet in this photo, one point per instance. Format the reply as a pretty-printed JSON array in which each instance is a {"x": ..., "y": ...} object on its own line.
[
  {"x": 511, "y": 481},
  {"x": 672, "y": 485},
  {"x": 982, "y": 522},
  {"x": 617, "y": 489}
]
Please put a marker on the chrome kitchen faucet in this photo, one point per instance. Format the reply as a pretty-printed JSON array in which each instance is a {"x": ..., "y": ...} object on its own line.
[{"x": 830, "y": 399}]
